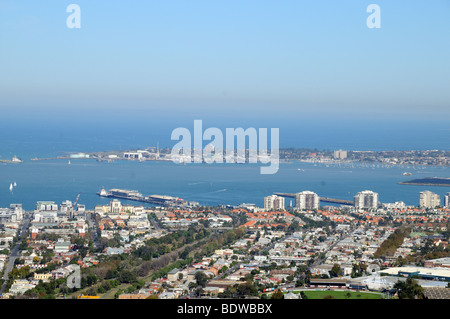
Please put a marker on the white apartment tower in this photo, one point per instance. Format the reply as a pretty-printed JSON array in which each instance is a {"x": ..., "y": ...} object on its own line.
[
  {"x": 274, "y": 202},
  {"x": 340, "y": 154},
  {"x": 306, "y": 200},
  {"x": 429, "y": 200},
  {"x": 447, "y": 200},
  {"x": 366, "y": 200}
]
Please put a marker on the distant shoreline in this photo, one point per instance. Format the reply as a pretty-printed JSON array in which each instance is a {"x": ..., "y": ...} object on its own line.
[
  {"x": 423, "y": 184},
  {"x": 428, "y": 181}
]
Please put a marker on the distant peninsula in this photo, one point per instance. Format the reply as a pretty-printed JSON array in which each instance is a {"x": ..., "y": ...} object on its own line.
[{"x": 428, "y": 181}]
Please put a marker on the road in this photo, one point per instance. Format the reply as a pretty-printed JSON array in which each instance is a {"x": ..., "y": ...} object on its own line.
[{"x": 14, "y": 252}]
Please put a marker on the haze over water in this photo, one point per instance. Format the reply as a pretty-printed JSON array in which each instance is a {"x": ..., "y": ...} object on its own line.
[{"x": 137, "y": 70}]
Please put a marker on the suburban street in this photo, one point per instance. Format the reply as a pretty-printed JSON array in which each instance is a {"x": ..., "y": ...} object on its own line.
[{"x": 14, "y": 252}]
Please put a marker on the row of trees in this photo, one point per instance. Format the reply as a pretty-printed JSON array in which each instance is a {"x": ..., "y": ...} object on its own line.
[
  {"x": 390, "y": 245},
  {"x": 156, "y": 247}
]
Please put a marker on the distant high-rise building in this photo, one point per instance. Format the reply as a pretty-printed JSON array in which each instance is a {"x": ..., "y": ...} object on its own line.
[
  {"x": 366, "y": 200},
  {"x": 274, "y": 202},
  {"x": 340, "y": 154},
  {"x": 429, "y": 200},
  {"x": 306, "y": 200},
  {"x": 447, "y": 200}
]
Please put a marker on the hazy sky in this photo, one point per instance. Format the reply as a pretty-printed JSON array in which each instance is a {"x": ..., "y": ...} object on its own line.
[{"x": 227, "y": 57}]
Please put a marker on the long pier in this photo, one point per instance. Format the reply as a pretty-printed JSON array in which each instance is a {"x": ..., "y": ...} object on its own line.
[
  {"x": 322, "y": 199},
  {"x": 137, "y": 197}
]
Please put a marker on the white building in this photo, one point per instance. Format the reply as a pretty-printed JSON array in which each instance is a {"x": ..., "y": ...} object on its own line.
[
  {"x": 274, "y": 202},
  {"x": 306, "y": 200},
  {"x": 396, "y": 205},
  {"x": 340, "y": 154},
  {"x": 20, "y": 286},
  {"x": 429, "y": 200},
  {"x": 366, "y": 200},
  {"x": 133, "y": 155},
  {"x": 46, "y": 206},
  {"x": 12, "y": 214},
  {"x": 447, "y": 200},
  {"x": 62, "y": 246},
  {"x": 66, "y": 207},
  {"x": 115, "y": 206},
  {"x": 45, "y": 217}
]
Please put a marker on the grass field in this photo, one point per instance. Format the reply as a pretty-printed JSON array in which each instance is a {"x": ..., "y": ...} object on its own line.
[{"x": 329, "y": 294}]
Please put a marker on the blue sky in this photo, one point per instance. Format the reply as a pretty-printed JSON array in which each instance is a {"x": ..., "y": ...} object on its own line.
[{"x": 226, "y": 59}]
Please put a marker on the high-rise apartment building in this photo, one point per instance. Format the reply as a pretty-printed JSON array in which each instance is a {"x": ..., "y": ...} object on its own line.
[
  {"x": 366, "y": 200},
  {"x": 340, "y": 154},
  {"x": 429, "y": 200},
  {"x": 306, "y": 200},
  {"x": 274, "y": 202}
]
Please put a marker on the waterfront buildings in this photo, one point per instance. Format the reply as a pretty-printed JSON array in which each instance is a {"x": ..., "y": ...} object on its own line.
[
  {"x": 12, "y": 214},
  {"x": 133, "y": 155},
  {"x": 306, "y": 200},
  {"x": 366, "y": 200},
  {"x": 46, "y": 206},
  {"x": 447, "y": 200},
  {"x": 274, "y": 202},
  {"x": 340, "y": 154},
  {"x": 429, "y": 200}
]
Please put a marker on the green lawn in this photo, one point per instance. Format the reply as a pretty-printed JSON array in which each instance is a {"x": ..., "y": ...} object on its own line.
[{"x": 329, "y": 294}]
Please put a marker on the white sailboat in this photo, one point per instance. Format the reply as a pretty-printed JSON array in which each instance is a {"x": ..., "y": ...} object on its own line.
[
  {"x": 69, "y": 162},
  {"x": 15, "y": 184},
  {"x": 11, "y": 187}
]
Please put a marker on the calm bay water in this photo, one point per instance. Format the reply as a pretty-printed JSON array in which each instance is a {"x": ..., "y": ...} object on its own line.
[
  {"x": 209, "y": 184},
  {"x": 52, "y": 134}
]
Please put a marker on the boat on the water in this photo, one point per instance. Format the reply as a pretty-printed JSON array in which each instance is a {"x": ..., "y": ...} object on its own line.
[{"x": 407, "y": 174}]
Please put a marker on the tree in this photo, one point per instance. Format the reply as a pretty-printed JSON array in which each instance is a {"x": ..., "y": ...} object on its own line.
[
  {"x": 277, "y": 295},
  {"x": 200, "y": 278},
  {"x": 127, "y": 276},
  {"x": 409, "y": 289},
  {"x": 336, "y": 270}
]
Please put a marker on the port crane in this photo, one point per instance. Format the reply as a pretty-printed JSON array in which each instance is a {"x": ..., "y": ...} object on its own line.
[
  {"x": 76, "y": 200},
  {"x": 71, "y": 212}
]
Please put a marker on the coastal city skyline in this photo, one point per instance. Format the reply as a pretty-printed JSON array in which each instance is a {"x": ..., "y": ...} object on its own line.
[{"x": 226, "y": 158}]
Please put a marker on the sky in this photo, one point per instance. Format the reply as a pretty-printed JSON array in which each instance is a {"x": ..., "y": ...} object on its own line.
[{"x": 230, "y": 62}]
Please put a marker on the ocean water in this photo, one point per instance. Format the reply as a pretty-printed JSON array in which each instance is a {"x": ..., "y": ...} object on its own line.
[
  {"x": 49, "y": 135},
  {"x": 209, "y": 184}
]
